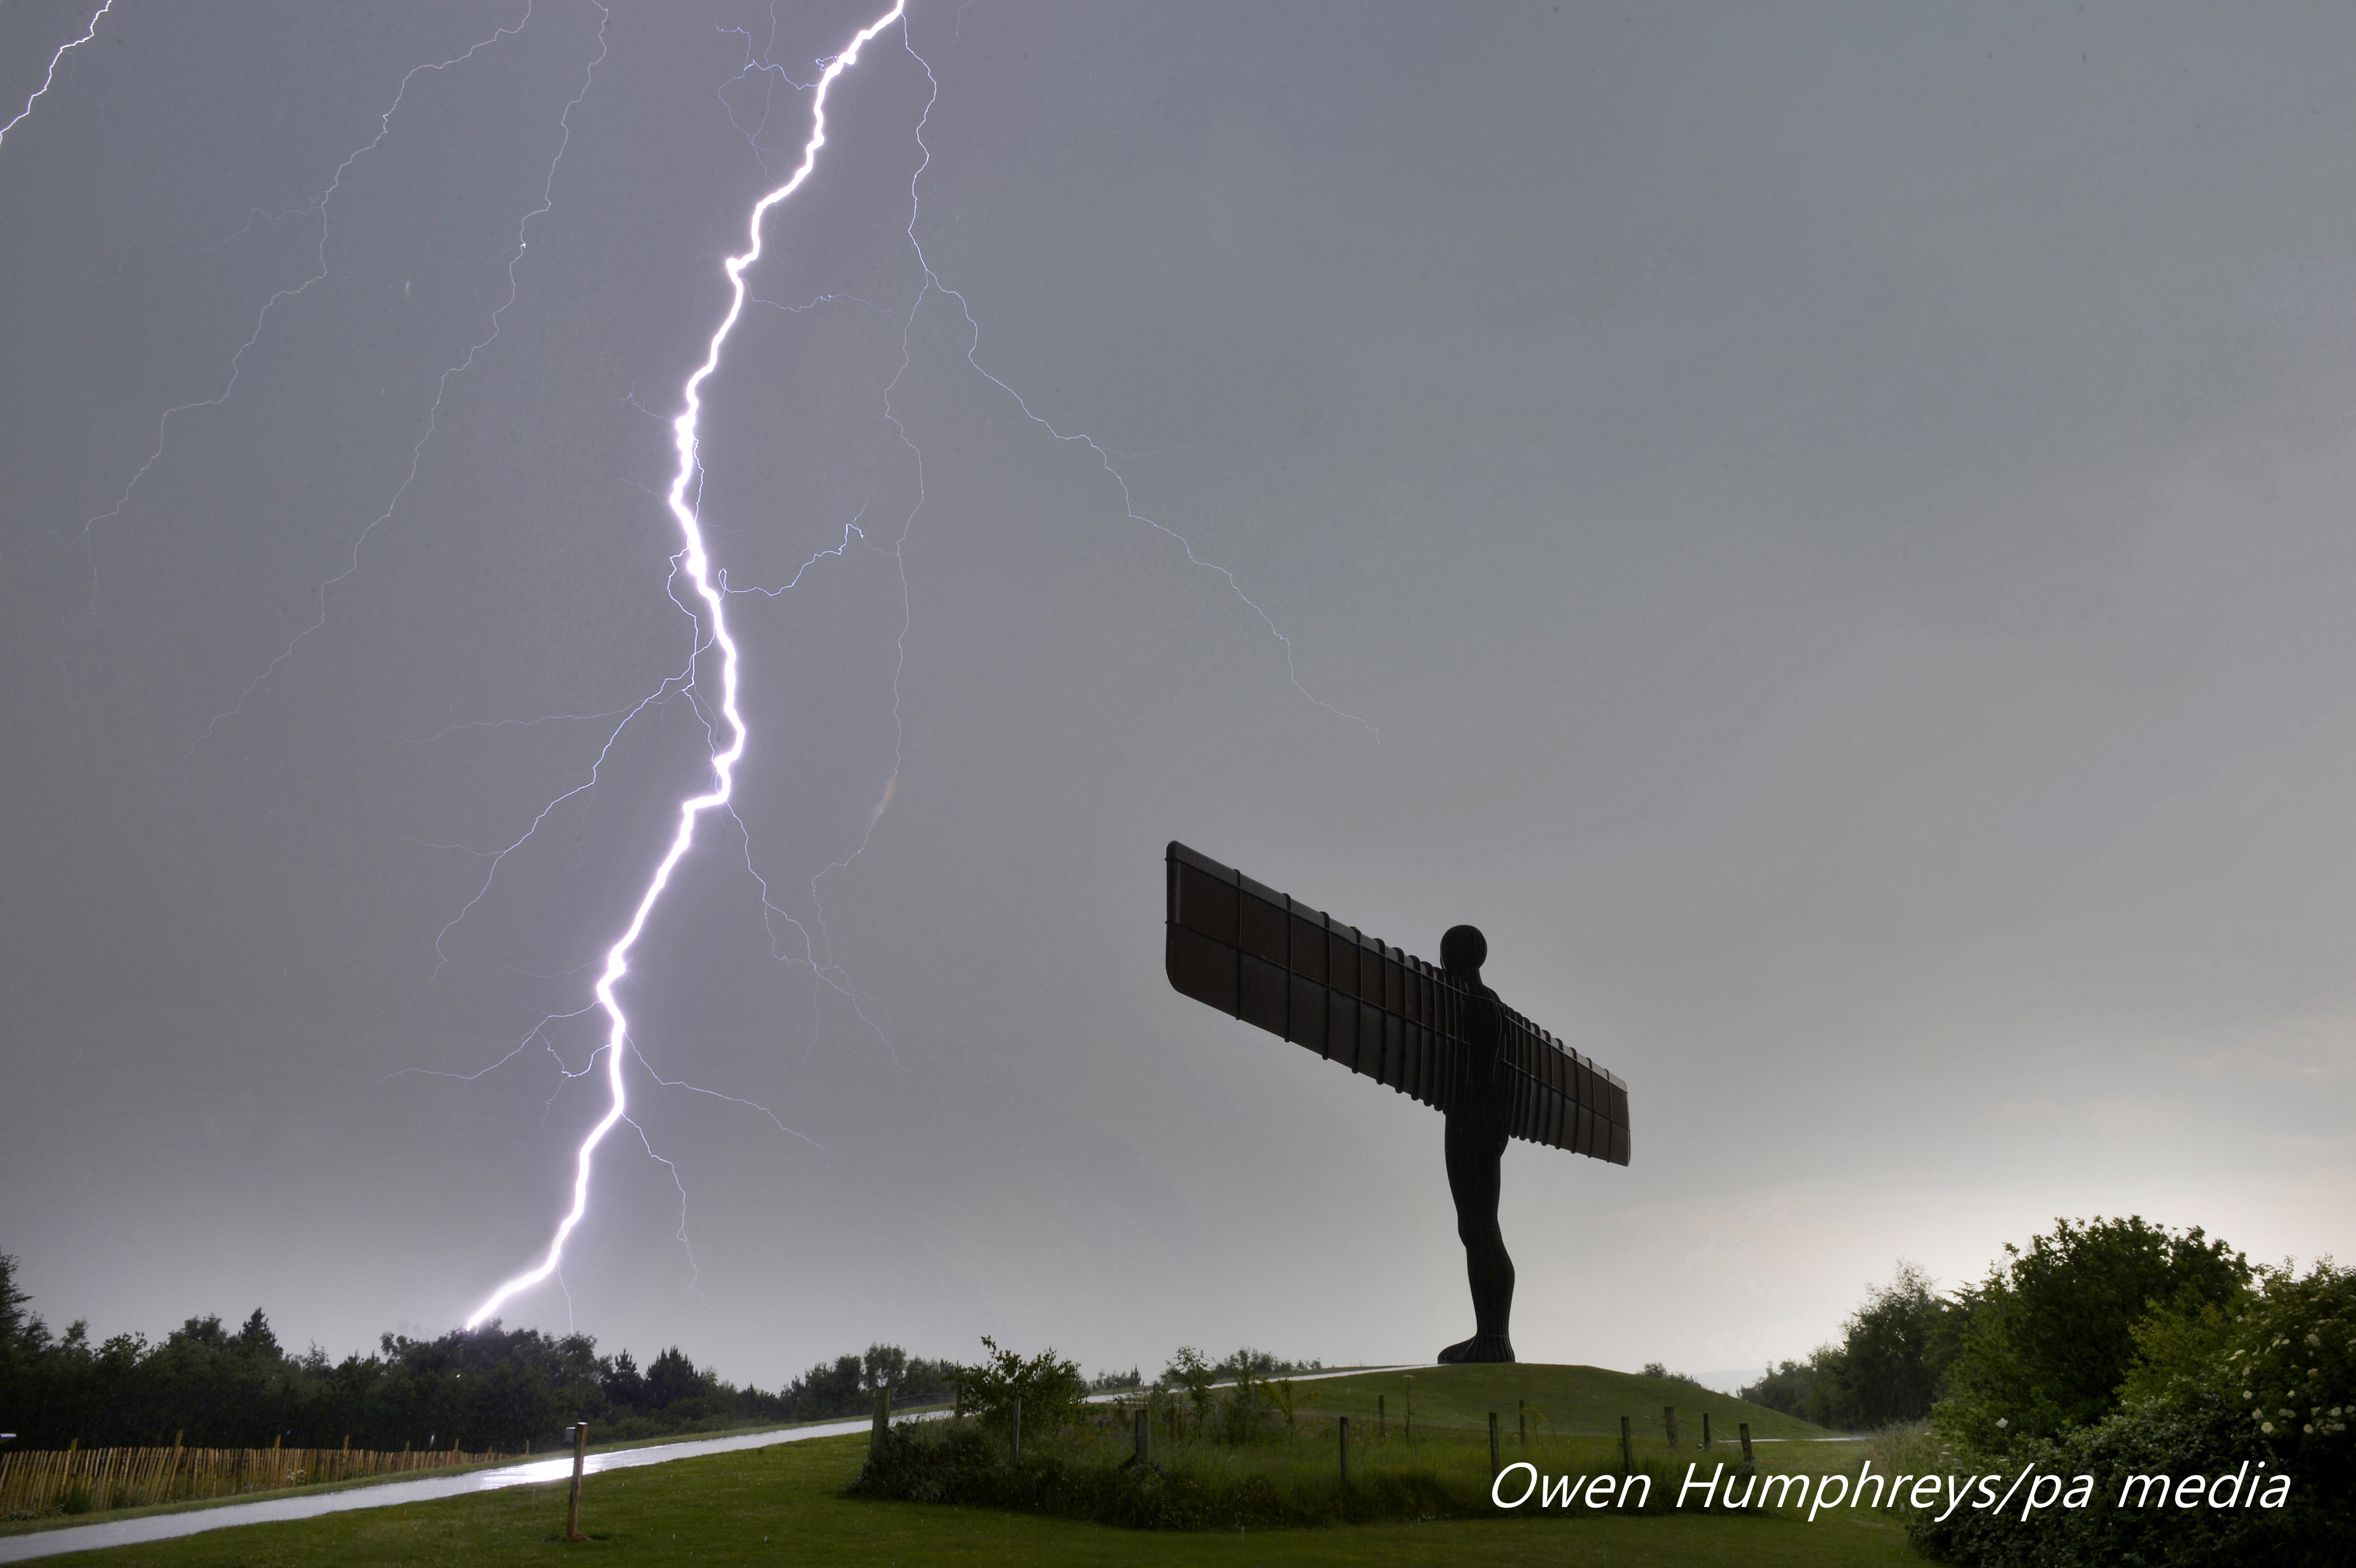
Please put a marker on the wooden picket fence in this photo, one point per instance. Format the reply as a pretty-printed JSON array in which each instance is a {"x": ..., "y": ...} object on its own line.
[{"x": 80, "y": 1480}]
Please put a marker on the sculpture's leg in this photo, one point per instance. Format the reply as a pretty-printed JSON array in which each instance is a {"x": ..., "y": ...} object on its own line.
[{"x": 1475, "y": 1163}]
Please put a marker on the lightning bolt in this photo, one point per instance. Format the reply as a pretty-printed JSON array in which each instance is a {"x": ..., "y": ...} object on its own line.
[
  {"x": 55, "y": 60},
  {"x": 696, "y": 564},
  {"x": 726, "y": 726}
]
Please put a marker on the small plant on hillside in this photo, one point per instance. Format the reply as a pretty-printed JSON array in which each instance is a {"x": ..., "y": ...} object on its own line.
[
  {"x": 1193, "y": 1376},
  {"x": 1244, "y": 1414},
  {"x": 1287, "y": 1399}
]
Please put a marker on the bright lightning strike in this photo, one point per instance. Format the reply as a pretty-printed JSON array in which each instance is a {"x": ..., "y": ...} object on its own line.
[
  {"x": 55, "y": 60},
  {"x": 696, "y": 563}
]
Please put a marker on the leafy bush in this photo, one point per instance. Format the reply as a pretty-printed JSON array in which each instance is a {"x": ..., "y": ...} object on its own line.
[
  {"x": 2050, "y": 1335},
  {"x": 1189, "y": 1374},
  {"x": 2263, "y": 1384},
  {"x": 1050, "y": 1387}
]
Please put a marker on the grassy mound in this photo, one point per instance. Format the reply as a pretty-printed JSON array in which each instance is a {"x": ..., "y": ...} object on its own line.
[
  {"x": 1286, "y": 1475},
  {"x": 1570, "y": 1401}
]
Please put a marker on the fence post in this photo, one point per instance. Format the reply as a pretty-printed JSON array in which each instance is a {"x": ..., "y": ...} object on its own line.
[
  {"x": 1669, "y": 1420},
  {"x": 1522, "y": 1421},
  {"x": 1382, "y": 1418},
  {"x": 882, "y": 1419},
  {"x": 580, "y": 1461},
  {"x": 1406, "y": 1428},
  {"x": 1144, "y": 1438},
  {"x": 1014, "y": 1430},
  {"x": 1704, "y": 1430},
  {"x": 1746, "y": 1443},
  {"x": 1345, "y": 1426},
  {"x": 1493, "y": 1449},
  {"x": 1627, "y": 1450}
]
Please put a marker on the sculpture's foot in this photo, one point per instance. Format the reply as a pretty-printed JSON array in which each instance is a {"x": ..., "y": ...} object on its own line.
[{"x": 1480, "y": 1347}]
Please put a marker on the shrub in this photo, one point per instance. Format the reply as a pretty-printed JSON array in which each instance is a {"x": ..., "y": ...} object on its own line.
[
  {"x": 1191, "y": 1375},
  {"x": 1050, "y": 1387},
  {"x": 2050, "y": 1334},
  {"x": 2208, "y": 1396}
]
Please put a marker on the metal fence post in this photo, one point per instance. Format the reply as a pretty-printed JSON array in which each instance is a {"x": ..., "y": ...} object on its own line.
[
  {"x": 1627, "y": 1450},
  {"x": 1345, "y": 1424}
]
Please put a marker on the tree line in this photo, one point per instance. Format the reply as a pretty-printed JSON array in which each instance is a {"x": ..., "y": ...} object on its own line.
[
  {"x": 495, "y": 1388},
  {"x": 2048, "y": 1336}
]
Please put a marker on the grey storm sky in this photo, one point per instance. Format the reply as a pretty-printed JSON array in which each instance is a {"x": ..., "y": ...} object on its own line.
[{"x": 1824, "y": 530}]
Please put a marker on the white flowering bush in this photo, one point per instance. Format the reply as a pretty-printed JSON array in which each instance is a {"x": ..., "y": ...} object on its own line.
[{"x": 2293, "y": 1357}]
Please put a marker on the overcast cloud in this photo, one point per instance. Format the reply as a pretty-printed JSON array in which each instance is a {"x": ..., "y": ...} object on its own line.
[{"x": 1824, "y": 530}]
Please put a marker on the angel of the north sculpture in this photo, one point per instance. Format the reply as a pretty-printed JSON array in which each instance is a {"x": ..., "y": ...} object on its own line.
[{"x": 1437, "y": 1034}]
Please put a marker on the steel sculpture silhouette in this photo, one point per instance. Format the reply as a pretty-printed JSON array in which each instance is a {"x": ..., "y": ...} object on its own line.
[{"x": 1437, "y": 1034}]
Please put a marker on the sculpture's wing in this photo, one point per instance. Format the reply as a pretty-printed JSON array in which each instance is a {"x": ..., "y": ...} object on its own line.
[{"x": 1273, "y": 962}]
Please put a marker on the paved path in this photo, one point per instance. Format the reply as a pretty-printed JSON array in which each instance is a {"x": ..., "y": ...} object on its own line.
[{"x": 386, "y": 1494}]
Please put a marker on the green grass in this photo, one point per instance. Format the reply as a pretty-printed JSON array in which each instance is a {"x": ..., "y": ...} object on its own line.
[{"x": 783, "y": 1505}]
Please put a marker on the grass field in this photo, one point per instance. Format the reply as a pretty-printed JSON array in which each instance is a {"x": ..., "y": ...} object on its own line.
[{"x": 783, "y": 1505}]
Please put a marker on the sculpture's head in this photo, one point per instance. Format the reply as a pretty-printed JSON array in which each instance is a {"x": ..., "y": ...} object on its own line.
[{"x": 1463, "y": 950}]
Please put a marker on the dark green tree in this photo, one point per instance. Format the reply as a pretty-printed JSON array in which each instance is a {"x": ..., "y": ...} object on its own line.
[
  {"x": 671, "y": 1379},
  {"x": 1813, "y": 1390},
  {"x": 2050, "y": 1335},
  {"x": 1896, "y": 1350}
]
